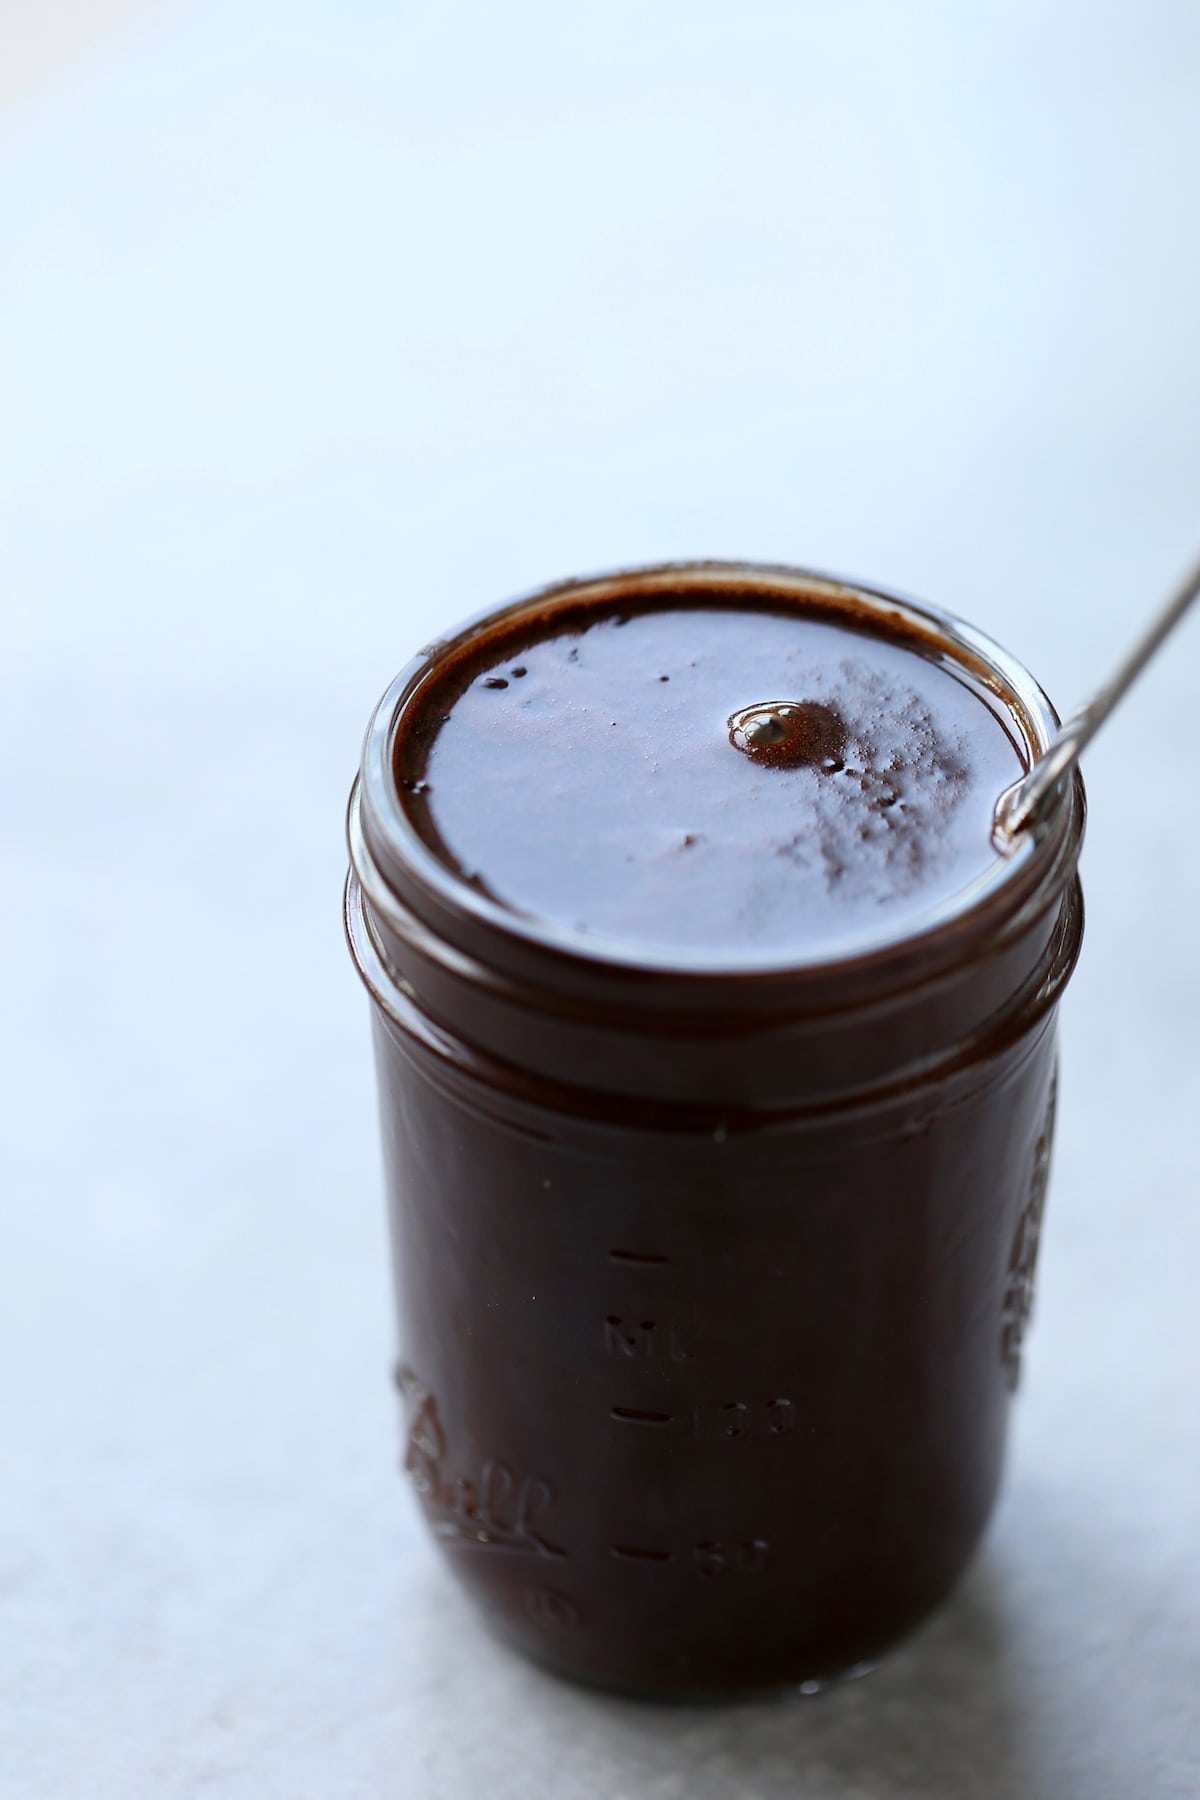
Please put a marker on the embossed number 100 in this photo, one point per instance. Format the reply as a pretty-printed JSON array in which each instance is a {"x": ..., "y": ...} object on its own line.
[{"x": 744, "y": 1418}]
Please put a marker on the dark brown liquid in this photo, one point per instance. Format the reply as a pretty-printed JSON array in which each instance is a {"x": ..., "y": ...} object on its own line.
[
  {"x": 726, "y": 782},
  {"x": 711, "y": 1286},
  {"x": 700, "y": 1412}
]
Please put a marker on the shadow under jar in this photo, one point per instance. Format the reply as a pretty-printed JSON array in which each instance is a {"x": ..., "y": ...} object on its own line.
[{"x": 716, "y": 1056}]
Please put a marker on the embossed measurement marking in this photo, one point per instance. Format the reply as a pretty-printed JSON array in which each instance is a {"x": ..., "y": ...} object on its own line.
[
  {"x": 710, "y": 1557},
  {"x": 730, "y": 1421},
  {"x": 742, "y": 1417},
  {"x": 749, "y": 1558},
  {"x": 647, "y": 1339},
  {"x": 628, "y": 1340}
]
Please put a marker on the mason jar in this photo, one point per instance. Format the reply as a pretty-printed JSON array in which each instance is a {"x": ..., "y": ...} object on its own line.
[{"x": 712, "y": 1282}]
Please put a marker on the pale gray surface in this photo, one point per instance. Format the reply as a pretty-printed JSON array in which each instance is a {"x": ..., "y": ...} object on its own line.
[{"x": 321, "y": 325}]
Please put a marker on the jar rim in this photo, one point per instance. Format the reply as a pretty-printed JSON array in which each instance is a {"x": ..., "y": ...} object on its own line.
[{"x": 388, "y": 848}]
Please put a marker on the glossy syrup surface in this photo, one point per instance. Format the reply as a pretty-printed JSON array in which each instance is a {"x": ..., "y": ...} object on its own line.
[{"x": 727, "y": 780}]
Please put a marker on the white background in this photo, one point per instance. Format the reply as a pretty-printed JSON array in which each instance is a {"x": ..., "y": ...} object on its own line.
[{"x": 321, "y": 325}]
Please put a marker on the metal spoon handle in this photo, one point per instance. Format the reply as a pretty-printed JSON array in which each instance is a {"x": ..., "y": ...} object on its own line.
[{"x": 1020, "y": 804}]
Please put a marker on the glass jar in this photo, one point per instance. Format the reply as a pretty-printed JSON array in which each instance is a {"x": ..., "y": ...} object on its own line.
[{"x": 712, "y": 1284}]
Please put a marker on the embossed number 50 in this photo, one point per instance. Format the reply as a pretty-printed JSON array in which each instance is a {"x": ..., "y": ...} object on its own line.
[{"x": 749, "y": 1558}]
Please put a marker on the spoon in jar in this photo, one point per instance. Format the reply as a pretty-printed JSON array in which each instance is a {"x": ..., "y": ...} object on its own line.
[{"x": 1021, "y": 805}]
